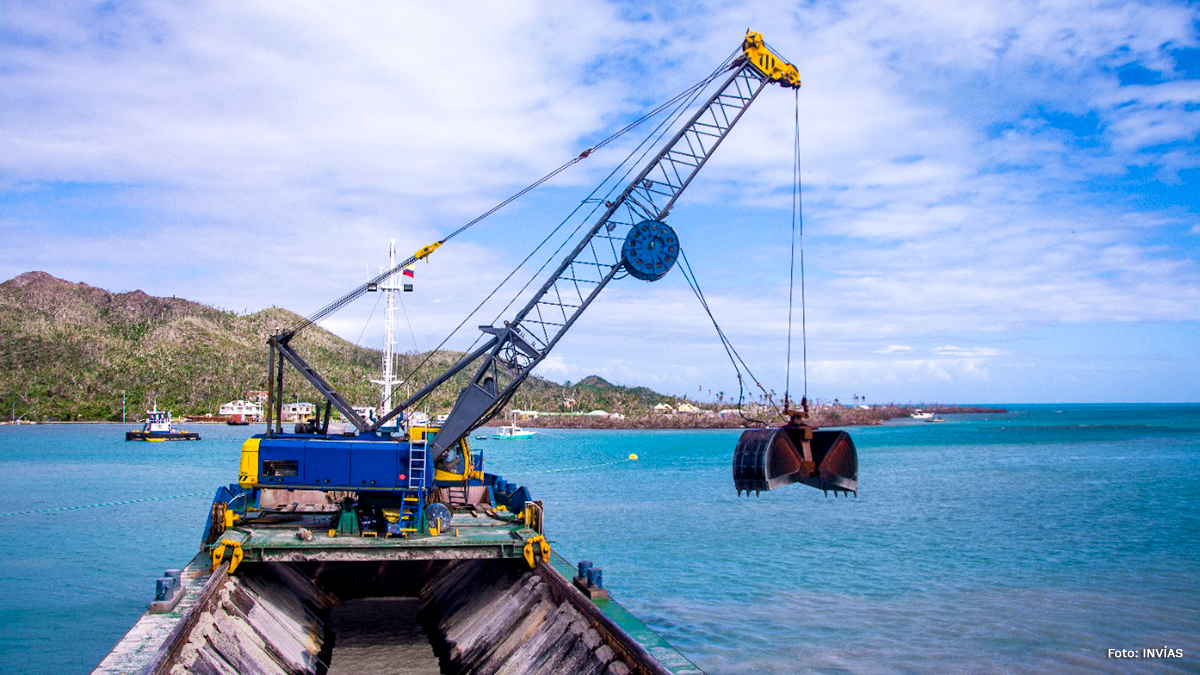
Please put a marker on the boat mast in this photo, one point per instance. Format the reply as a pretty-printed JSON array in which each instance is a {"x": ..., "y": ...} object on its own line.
[{"x": 389, "y": 343}]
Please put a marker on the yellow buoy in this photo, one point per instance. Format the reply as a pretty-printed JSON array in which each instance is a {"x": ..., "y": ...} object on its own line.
[{"x": 632, "y": 457}]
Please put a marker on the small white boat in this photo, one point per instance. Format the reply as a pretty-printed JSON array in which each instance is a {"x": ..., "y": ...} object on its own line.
[
  {"x": 513, "y": 432},
  {"x": 919, "y": 414},
  {"x": 158, "y": 428}
]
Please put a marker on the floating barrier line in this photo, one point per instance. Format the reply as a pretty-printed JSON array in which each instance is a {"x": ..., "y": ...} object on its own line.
[
  {"x": 579, "y": 468},
  {"x": 96, "y": 506},
  {"x": 197, "y": 494}
]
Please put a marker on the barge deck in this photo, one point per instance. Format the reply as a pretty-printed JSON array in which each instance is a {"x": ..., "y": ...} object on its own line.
[
  {"x": 472, "y": 535},
  {"x": 481, "y": 604}
]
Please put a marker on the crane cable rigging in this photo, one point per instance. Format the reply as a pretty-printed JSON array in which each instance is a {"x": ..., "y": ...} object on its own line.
[
  {"x": 681, "y": 103},
  {"x": 425, "y": 251},
  {"x": 734, "y": 357},
  {"x": 797, "y": 220},
  {"x": 796, "y": 452}
]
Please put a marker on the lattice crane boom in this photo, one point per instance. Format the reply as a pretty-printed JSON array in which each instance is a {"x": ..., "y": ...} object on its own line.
[{"x": 647, "y": 251}]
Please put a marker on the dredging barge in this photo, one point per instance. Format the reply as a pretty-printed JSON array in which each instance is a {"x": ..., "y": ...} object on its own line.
[
  {"x": 399, "y": 508},
  {"x": 260, "y": 595}
]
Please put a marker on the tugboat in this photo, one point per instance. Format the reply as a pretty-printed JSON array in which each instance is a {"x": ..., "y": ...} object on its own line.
[{"x": 158, "y": 428}]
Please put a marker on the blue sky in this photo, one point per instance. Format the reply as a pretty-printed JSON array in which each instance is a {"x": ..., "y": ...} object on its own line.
[{"x": 1001, "y": 203}]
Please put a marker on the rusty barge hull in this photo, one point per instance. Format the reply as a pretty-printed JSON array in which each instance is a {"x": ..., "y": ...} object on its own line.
[{"x": 482, "y": 608}]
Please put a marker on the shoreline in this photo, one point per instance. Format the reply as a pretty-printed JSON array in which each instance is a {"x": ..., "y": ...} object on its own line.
[{"x": 823, "y": 416}]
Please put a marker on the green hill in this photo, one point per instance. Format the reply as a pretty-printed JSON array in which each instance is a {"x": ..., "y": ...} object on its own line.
[
  {"x": 594, "y": 392},
  {"x": 69, "y": 350}
]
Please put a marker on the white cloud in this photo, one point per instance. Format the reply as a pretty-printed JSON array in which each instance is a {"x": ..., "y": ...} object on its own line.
[
  {"x": 556, "y": 368},
  {"x": 967, "y": 352},
  {"x": 858, "y": 374},
  {"x": 273, "y": 151},
  {"x": 1144, "y": 116}
]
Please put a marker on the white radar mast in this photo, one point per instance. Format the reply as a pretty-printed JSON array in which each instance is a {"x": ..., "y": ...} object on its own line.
[{"x": 389, "y": 380}]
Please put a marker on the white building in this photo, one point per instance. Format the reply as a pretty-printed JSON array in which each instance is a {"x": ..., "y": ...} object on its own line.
[
  {"x": 366, "y": 412},
  {"x": 300, "y": 410},
  {"x": 241, "y": 410}
]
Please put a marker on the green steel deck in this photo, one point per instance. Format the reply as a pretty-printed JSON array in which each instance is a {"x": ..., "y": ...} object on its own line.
[{"x": 470, "y": 536}]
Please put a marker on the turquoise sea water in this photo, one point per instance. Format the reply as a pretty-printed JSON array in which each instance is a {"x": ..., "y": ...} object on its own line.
[{"x": 1030, "y": 542}]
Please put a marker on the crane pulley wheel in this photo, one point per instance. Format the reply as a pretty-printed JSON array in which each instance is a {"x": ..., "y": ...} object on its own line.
[
  {"x": 650, "y": 250},
  {"x": 438, "y": 516}
]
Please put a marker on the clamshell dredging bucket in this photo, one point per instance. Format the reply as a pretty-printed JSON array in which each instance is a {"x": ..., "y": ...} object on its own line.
[{"x": 766, "y": 459}]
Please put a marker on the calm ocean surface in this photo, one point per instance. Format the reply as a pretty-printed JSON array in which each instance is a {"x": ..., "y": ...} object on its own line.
[{"x": 1030, "y": 542}]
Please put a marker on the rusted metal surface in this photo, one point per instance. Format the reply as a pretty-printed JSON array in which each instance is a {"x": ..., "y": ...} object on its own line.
[
  {"x": 145, "y": 640},
  {"x": 471, "y": 535},
  {"x": 264, "y": 619},
  {"x": 480, "y": 615},
  {"x": 631, "y": 652},
  {"x": 503, "y": 616},
  {"x": 168, "y": 653},
  {"x": 366, "y": 554}
]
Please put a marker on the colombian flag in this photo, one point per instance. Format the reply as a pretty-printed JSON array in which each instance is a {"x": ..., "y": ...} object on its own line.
[{"x": 409, "y": 271}]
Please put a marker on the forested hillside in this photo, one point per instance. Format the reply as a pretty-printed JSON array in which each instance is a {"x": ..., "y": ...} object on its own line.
[{"x": 68, "y": 351}]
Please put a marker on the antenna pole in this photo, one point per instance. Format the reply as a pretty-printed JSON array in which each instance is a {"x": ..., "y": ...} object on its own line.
[{"x": 388, "y": 379}]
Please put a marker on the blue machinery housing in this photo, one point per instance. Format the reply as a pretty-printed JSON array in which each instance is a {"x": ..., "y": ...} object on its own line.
[
  {"x": 366, "y": 462},
  {"x": 385, "y": 473}
]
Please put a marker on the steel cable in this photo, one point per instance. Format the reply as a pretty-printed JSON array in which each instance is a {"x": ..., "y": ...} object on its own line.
[
  {"x": 341, "y": 302},
  {"x": 734, "y": 357},
  {"x": 684, "y": 99},
  {"x": 102, "y": 504}
]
